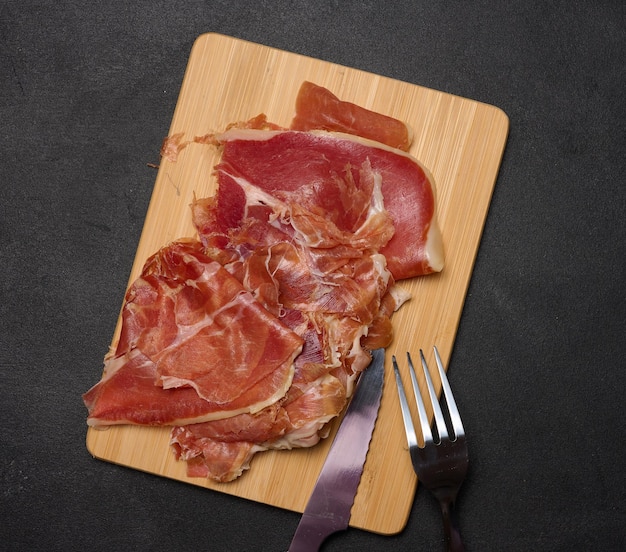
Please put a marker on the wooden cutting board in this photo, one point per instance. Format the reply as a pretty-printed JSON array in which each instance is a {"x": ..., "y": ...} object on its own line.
[{"x": 461, "y": 141}]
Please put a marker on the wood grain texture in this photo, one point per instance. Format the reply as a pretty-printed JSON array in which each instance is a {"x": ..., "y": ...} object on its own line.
[{"x": 461, "y": 141}]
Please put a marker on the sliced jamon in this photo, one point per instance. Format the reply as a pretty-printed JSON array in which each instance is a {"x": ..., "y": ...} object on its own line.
[
  {"x": 331, "y": 288},
  {"x": 317, "y": 108},
  {"x": 302, "y": 167},
  {"x": 222, "y": 450},
  {"x": 194, "y": 344},
  {"x": 252, "y": 337},
  {"x": 221, "y": 461}
]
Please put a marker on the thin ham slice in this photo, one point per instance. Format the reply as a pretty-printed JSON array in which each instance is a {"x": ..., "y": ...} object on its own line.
[
  {"x": 317, "y": 108},
  {"x": 222, "y": 450},
  {"x": 304, "y": 166},
  {"x": 189, "y": 326}
]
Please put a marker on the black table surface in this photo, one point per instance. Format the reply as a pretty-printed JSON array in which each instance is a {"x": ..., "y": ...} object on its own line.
[{"x": 87, "y": 94}]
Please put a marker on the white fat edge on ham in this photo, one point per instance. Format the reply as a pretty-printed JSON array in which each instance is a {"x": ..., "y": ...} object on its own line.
[
  {"x": 400, "y": 296},
  {"x": 103, "y": 424},
  {"x": 434, "y": 248},
  {"x": 262, "y": 135}
]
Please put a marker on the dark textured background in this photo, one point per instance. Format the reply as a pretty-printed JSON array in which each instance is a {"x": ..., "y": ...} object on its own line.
[{"x": 87, "y": 92}]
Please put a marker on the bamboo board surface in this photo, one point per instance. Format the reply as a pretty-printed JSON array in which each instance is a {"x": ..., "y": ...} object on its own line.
[{"x": 461, "y": 141}]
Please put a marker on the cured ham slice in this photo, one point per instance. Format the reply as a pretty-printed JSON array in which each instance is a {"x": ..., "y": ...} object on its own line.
[
  {"x": 303, "y": 167},
  {"x": 317, "y": 108},
  {"x": 194, "y": 346}
]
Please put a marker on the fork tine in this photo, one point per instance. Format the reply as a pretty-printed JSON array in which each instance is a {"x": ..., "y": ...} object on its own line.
[
  {"x": 409, "y": 428},
  {"x": 455, "y": 417},
  {"x": 440, "y": 421},
  {"x": 421, "y": 408}
]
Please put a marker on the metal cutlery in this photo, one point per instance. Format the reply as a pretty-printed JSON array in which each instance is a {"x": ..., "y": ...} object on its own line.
[{"x": 441, "y": 461}]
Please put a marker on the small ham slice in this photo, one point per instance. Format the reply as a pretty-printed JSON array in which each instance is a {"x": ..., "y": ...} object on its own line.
[
  {"x": 222, "y": 449},
  {"x": 317, "y": 108}
]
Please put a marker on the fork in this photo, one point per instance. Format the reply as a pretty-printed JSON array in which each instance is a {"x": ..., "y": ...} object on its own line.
[{"x": 441, "y": 463}]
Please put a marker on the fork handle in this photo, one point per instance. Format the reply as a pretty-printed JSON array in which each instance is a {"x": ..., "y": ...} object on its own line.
[{"x": 453, "y": 536}]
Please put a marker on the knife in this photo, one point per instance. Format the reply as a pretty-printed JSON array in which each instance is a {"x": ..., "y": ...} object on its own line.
[{"x": 328, "y": 509}]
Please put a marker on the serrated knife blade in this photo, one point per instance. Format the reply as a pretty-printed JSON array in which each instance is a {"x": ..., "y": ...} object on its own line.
[{"x": 328, "y": 508}]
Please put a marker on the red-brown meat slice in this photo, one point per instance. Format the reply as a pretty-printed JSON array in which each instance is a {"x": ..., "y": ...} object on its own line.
[
  {"x": 317, "y": 108},
  {"x": 190, "y": 326},
  {"x": 299, "y": 167}
]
